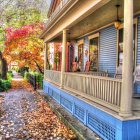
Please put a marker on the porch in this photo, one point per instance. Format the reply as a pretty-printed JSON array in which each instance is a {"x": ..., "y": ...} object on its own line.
[
  {"x": 103, "y": 103},
  {"x": 95, "y": 101},
  {"x": 94, "y": 86}
]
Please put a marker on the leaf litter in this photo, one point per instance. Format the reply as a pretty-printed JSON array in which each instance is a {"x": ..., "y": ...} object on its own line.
[{"x": 31, "y": 117}]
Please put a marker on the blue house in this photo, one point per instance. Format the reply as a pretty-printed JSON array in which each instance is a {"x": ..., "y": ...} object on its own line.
[{"x": 105, "y": 35}]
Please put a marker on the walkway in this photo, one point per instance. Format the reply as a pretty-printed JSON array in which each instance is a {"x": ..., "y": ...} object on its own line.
[{"x": 27, "y": 116}]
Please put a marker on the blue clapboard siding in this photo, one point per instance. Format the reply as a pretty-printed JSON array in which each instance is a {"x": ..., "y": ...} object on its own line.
[
  {"x": 138, "y": 43},
  {"x": 108, "y": 50}
]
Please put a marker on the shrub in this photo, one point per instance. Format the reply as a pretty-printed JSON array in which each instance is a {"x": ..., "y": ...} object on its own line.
[
  {"x": 6, "y": 84},
  {"x": 39, "y": 77},
  {"x": 9, "y": 75},
  {"x": 26, "y": 76}
]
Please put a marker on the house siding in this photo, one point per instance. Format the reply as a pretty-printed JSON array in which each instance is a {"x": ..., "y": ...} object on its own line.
[{"x": 107, "y": 50}]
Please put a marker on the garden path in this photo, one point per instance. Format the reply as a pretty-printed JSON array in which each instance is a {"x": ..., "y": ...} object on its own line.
[{"x": 27, "y": 116}]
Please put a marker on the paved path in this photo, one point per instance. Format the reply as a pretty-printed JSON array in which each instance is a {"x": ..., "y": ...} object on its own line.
[
  {"x": 17, "y": 102},
  {"x": 13, "y": 104}
]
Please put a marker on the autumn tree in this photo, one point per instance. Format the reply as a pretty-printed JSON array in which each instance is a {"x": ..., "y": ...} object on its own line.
[
  {"x": 24, "y": 46},
  {"x": 16, "y": 14}
]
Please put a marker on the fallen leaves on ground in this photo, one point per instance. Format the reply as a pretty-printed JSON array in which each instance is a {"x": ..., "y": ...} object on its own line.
[
  {"x": 39, "y": 123},
  {"x": 43, "y": 123},
  {"x": 1, "y": 102}
]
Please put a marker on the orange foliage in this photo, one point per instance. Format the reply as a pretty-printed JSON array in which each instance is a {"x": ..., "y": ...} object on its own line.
[{"x": 24, "y": 46}]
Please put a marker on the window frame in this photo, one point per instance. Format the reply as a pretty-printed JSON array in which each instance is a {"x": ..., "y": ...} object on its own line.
[
  {"x": 135, "y": 22},
  {"x": 97, "y": 35},
  {"x": 81, "y": 42}
]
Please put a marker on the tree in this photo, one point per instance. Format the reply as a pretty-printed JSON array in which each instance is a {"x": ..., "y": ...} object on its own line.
[
  {"x": 16, "y": 14},
  {"x": 23, "y": 45}
]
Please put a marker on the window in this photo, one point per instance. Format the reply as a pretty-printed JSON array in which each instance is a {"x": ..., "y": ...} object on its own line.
[
  {"x": 94, "y": 52},
  {"x": 80, "y": 56},
  {"x": 120, "y": 47}
]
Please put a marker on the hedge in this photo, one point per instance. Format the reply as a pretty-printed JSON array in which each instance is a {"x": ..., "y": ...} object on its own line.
[{"x": 6, "y": 84}]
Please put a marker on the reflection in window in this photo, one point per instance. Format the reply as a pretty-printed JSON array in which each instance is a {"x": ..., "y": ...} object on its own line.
[
  {"x": 120, "y": 49},
  {"x": 93, "y": 54},
  {"x": 80, "y": 56}
]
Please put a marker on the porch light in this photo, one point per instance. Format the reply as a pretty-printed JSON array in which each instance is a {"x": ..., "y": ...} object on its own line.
[{"x": 117, "y": 23}]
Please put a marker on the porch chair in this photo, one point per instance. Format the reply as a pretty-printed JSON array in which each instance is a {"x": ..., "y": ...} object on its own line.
[
  {"x": 87, "y": 67},
  {"x": 74, "y": 65},
  {"x": 118, "y": 73}
]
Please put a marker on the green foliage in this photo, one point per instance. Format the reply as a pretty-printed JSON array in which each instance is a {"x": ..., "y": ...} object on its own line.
[
  {"x": 16, "y": 69},
  {"x": 9, "y": 75},
  {"x": 0, "y": 74},
  {"x": 23, "y": 70},
  {"x": 57, "y": 57},
  {"x": 39, "y": 77},
  {"x": 26, "y": 76},
  {"x": 6, "y": 84}
]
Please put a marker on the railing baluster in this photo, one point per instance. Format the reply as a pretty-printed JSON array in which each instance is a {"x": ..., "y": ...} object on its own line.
[{"x": 107, "y": 90}]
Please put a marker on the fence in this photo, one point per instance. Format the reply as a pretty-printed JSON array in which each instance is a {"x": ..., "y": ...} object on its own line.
[
  {"x": 32, "y": 80},
  {"x": 35, "y": 81}
]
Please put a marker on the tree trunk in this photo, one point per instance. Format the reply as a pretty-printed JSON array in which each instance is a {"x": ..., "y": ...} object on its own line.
[
  {"x": 38, "y": 67},
  {"x": 4, "y": 67}
]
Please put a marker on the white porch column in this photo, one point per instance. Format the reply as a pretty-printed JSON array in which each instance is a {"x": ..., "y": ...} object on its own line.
[
  {"x": 127, "y": 74},
  {"x": 63, "y": 67},
  {"x": 45, "y": 59}
]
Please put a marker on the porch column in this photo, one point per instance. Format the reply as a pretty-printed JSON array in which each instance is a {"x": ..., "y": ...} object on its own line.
[
  {"x": 45, "y": 59},
  {"x": 127, "y": 73},
  {"x": 63, "y": 67}
]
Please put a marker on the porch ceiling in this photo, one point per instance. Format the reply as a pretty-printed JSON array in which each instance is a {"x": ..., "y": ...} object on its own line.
[{"x": 101, "y": 17}]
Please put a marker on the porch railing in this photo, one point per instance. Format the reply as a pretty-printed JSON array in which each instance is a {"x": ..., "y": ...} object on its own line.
[
  {"x": 104, "y": 74},
  {"x": 103, "y": 90},
  {"x": 58, "y": 9},
  {"x": 53, "y": 76}
]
